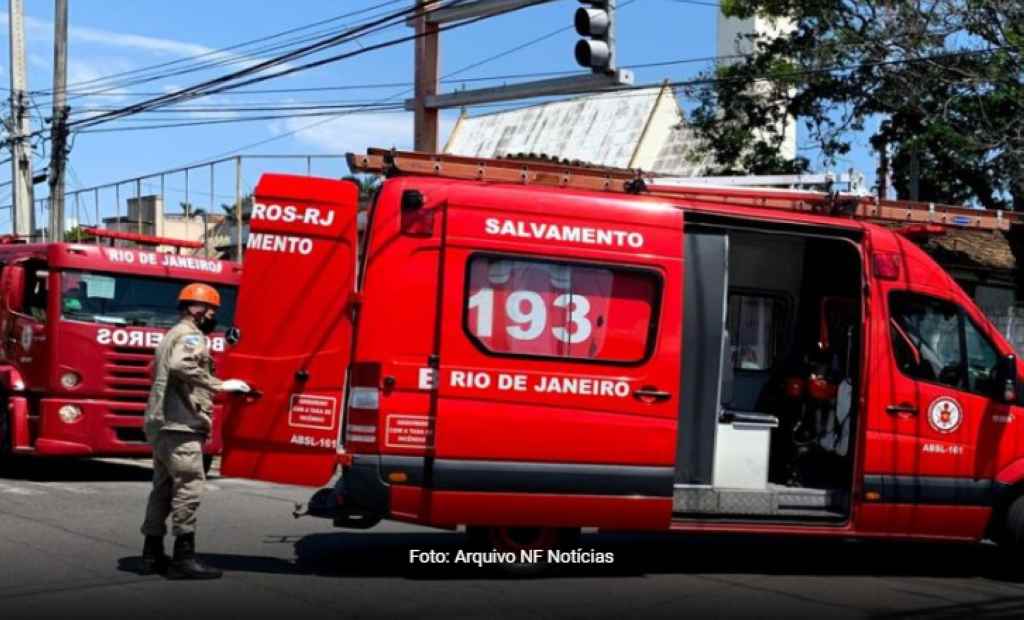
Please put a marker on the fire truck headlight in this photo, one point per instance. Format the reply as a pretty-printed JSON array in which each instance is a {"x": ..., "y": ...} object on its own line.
[
  {"x": 69, "y": 414},
  {"x": 70, "y": 380}
]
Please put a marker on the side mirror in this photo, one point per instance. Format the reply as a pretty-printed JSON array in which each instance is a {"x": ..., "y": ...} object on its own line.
[
  {"x": 14, "y": 288},
  {"x": 1006, "y": 379}
]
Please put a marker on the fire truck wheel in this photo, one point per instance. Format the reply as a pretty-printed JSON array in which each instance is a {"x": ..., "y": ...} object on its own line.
[
  {"x": 5, "y": 434},
  {"x": 207, "y": 464},
  {"x": 1015, "y": 525},
  {"x": 520, "y": 541}
]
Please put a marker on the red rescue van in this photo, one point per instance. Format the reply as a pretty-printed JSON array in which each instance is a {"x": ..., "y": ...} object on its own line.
[{"x": 529, "y": 349}]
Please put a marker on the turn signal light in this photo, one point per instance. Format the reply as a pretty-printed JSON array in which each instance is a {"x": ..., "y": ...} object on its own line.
[
  {"x": 417, "y": 221},
  {"x": 886, "y": 266}
]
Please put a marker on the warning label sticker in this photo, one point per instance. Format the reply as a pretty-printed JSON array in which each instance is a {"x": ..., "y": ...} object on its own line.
[
  {"x": 408, "y": 431},
  {"x": 312, "y": 411}
]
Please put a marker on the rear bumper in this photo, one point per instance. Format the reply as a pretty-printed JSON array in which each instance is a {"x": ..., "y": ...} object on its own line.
[
  {"x": 359, "y": 500},
  {"x": 106, "y": 428}
]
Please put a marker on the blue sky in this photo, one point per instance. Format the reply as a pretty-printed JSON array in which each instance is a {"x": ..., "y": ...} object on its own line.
[{"x": 113, "y": 36}]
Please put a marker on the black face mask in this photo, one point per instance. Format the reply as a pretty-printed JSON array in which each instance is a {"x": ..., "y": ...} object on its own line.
[
  {"x": 206, "y": 325},
  {"x": 202, "y": 323}
]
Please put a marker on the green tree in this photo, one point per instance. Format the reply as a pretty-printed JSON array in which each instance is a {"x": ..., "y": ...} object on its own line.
[
  {"x": 77, "y": 234},
  {"x": 367, "y": 184},
  {"x": 945, "y": 77}
]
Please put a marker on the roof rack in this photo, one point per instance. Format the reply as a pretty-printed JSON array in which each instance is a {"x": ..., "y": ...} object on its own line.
[
  {"x": 140, "y": 239},
  {"x": 616, "y": 180}
]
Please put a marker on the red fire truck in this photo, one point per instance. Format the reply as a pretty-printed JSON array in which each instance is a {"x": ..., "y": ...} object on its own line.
[
  {"x": 80, "y": 322},
  {"x": 530, "y": 349}
]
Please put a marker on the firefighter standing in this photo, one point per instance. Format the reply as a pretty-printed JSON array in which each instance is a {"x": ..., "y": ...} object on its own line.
[{"x": 178, "y": 421}]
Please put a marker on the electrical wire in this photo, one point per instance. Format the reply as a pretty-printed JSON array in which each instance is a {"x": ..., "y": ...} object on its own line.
[
  {"x": 231, "y": 80},
  {"x": 396, "y": 95},
  {"x": 224, "y": 50}
]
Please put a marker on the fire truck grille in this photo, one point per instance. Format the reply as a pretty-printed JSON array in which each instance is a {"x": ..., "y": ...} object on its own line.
[{"x": 127, "y": 373}]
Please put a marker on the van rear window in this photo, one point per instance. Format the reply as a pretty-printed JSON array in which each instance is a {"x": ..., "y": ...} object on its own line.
[{"x": 562, "y": 310}]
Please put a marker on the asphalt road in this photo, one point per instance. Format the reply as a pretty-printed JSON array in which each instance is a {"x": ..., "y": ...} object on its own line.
[{"x": 69, "y": 547}]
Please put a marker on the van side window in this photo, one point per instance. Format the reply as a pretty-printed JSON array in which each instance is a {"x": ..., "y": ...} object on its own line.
[
  {"x": 35, "y": 293},
  {"x": 755, "y": 322},
  {"x": 982, "y": 360},
  {"x": 562, "y": 310},
  {"x": 935, "y": 341}
]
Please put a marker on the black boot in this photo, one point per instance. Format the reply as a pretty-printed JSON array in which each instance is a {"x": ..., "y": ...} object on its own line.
[
  {"x": 185, "y": 564},
  {"x": 154, "y": 560}
]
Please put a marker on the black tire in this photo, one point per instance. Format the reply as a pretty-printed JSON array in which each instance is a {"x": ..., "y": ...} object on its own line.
[
  {"x": 6, "y": 443},
  {"x": 1014, "y": 533},
  {"x": 207, "y": 464},
  {"x": 518, "y": 540}
]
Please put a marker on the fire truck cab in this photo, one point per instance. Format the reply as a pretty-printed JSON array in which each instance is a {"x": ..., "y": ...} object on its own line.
[
  {"x": 79, "y": 323},
  {"x": 526, "y": 350}
]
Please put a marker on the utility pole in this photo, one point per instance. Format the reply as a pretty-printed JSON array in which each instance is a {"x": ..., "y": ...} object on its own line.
[
  {"x": 59, "y": 126},
  {"x": 19, "y": 128},
  {"x": 427, "y": 62}
]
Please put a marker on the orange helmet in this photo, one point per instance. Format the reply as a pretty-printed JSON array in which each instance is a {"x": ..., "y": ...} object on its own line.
[{"x": 199, "y": 293}]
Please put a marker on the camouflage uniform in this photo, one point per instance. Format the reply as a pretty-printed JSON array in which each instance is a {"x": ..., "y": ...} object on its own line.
[{"x": 178, "y": 420}]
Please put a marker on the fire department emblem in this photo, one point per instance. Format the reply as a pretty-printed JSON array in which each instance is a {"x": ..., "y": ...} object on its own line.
[{"x": 945, "y": 415}]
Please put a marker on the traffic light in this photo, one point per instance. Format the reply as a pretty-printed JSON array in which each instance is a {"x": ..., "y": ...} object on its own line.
[{"x": 597, "y": 22}]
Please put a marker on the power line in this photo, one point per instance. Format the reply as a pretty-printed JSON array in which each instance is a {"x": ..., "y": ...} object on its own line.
[
  {"x": 224, "y": 50},
  {"x": 394, "y": 108},
  {"x": 224, "y": 82},
  {"x": 473, "y": 65},
  {"x": 230, "y": 81}
]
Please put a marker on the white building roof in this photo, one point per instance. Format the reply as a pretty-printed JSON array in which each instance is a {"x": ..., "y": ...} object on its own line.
[{"x": 626, "y": 129}]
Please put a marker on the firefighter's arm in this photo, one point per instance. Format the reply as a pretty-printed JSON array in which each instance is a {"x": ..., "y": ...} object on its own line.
[{"x": 185, "y": 362}]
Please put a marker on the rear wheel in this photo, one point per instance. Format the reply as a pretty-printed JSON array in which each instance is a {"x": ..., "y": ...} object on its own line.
[
  {"x": 528, "y": 545},
  {"x": 1014, "y": 534},
  {"x": 1009, "y": 535}
]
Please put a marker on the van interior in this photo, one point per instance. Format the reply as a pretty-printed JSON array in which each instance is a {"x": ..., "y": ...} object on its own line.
[{"x": 772, "y": 354}]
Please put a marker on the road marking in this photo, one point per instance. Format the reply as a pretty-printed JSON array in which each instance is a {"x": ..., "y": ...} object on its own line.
[
  {"x": 242, "y": 482},
  {"x": 68, "y": 488},
  {"x": 19, "y": 490},
  {"x": 144, "y": 463}
]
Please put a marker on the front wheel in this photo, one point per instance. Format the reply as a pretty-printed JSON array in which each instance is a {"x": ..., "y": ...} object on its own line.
[
  {"x": 6, "y": 442},
  {"x": 525, "y": 547},
  {"x": 207, "y": 464}
]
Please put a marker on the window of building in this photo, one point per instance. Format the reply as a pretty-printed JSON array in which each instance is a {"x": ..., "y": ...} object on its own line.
[
  {"x": 935, "y": 341},
  {"x": 562, "y": 310},
  {"x": 756, "y": 324}
]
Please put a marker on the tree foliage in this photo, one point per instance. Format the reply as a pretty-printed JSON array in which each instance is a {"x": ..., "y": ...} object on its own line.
[{"x": 944, "y": 77}]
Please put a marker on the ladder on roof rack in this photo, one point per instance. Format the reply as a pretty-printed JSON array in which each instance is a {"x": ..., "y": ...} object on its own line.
[{"x": 391, "y": 162}]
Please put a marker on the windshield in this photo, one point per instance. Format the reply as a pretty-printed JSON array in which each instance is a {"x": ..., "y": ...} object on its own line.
[{"x": 120, "y": 299}]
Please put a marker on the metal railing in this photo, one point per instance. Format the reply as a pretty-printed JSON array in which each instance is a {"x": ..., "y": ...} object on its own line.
[{"x": 92, "y": 205}]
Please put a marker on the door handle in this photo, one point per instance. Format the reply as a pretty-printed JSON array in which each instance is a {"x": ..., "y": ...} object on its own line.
[
  {"x": 651, "y": 394},
  {"x": 904, "y": 409}
]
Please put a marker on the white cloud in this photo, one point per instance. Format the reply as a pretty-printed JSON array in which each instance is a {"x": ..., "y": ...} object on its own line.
[
  {"x": 356, "y": 132},
  {"x": 37, "y": 29}
]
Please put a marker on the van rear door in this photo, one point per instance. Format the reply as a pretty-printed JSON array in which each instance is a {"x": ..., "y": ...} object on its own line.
[{"x": 294, "y": 322}]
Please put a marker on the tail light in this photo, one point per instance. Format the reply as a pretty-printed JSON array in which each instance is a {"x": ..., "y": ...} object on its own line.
[{"x": 363, "y": 406}]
